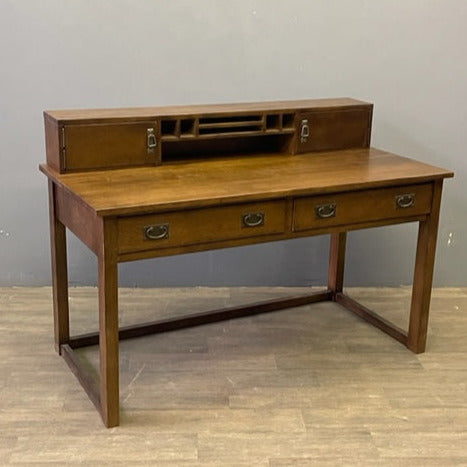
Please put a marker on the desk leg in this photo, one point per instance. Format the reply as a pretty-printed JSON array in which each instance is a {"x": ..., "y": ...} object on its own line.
[
  {"x": 59, "y": 274},
  {"x": 336, "y": 263},
  {"x": 108, "y": 325},
  {"x": 423, "y": 275}
]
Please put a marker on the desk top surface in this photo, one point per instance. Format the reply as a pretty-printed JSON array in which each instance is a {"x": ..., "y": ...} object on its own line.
[{"x": 228, "y": 180}]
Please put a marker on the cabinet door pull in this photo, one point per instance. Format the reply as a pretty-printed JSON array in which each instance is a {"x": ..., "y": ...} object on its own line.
[
  {"x": 304, "y": 131},
  {"x": 151, "y": 140},
  {"x": 156, "y": 232},
  {"x": 253, "y": 219},
  {"x": 406, "y": 200},
  {"x": 325, "y": 211}
]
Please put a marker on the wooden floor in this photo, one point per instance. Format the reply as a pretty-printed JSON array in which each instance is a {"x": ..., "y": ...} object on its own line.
[{"x": 307, "y": 386}]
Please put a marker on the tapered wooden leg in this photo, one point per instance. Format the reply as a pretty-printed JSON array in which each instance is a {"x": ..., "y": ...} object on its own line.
[
  {"x": 108, "y": 326},
  {"x": 423, "y": 275},
  {"x": 336, "y": 262},
  {"x": 59, "y": 274}
]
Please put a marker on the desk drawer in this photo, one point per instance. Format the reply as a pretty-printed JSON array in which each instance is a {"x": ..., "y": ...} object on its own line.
[
  {"x": 197, "y": 226},
  {"x": 363, "y": 206}
]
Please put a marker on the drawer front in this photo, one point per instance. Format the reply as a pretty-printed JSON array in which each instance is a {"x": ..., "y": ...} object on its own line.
[
  {"x": 197, "y": 226},
  {"x": 110, "y": 145},
  {"x": 329, "y": 130},
  {"x": 364, "y": 206}
]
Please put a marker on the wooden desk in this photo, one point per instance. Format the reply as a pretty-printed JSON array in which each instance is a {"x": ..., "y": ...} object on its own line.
[{"x": 186, "y": 204}]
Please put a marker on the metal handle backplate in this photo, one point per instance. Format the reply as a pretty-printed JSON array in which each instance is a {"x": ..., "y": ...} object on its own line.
[
  {"x": 325, "y": 211},
  {"x": 406, "y": 200},
  {"x": 151, "y": 140},
  {"x": 156, "y": 232},
  {"x": 304, "y": 131},
  {"x": 253, "y": 219}
]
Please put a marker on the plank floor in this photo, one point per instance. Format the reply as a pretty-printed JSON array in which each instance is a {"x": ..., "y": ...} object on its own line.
[{"x": 312, "y": 385}]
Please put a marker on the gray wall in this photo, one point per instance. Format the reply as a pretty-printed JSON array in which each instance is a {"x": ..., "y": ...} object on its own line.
[{"x": 408, "y": 57}]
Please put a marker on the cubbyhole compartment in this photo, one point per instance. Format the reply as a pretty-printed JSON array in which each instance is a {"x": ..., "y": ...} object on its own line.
[
  {"x": 273, "y": 122},
  {"x": 230, "y": 124},
  {"x": 245, "y": 128},
  {"x": 230, "y": 119},
  {"x": 187, "y": 127},
  {"x": 188, "y": 149},
  {"x": 169, "y": 128},
  {"x": 288, "y": 121}
]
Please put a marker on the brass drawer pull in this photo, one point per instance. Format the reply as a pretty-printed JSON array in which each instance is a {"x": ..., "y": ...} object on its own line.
[
  {"x": 156, "y": 232},
  {"x": 325, "y": 211},
  {"x": 253, "y": 219},
  {"x": 405, "y": 201}
]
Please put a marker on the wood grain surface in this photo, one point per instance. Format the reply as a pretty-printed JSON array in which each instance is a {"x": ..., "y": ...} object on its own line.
[
  {"x": 237, "y": 179},
  {"x": 88, "y": 115},
  {"x": 313, "y": 385}
]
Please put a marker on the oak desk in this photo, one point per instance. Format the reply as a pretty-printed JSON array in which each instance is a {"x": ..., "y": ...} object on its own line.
[{"x": 257, "y": 192}]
